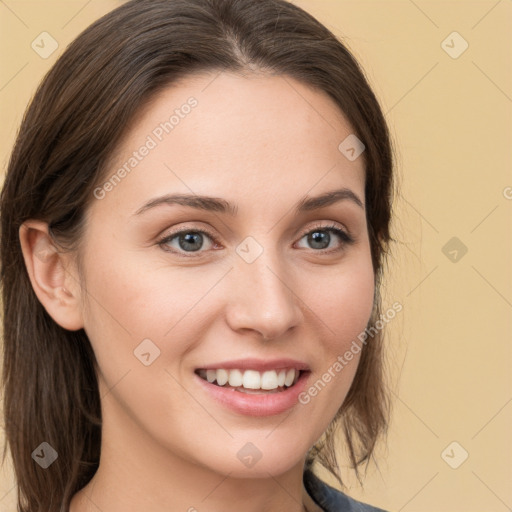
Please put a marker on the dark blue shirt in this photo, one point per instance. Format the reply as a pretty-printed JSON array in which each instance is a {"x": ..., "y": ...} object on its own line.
[{"x": 332, "y": 500}]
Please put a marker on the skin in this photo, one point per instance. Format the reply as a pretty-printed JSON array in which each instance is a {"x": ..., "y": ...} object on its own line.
[{"x": 263, "y": 143}]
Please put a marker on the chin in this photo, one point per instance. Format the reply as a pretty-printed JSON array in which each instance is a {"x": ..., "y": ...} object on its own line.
[{"x": 258, "y": 458}]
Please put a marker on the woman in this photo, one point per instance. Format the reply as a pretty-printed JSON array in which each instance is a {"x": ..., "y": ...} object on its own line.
[{"x": 185, "y": 174}]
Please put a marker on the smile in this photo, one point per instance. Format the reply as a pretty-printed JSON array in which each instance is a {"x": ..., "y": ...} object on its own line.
[
  {"x": 252, "y": 381},
  {"x": 254, "y": 386}
]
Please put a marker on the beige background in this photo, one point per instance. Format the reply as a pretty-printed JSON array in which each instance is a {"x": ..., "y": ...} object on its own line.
[{"x": 452, "y": 123}]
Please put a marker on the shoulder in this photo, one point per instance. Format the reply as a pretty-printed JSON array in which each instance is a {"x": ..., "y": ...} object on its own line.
[{"x": 331, "y": 499}]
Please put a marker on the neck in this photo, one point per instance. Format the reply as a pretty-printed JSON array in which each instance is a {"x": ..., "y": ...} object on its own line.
[{"x": 137, "y": 473}]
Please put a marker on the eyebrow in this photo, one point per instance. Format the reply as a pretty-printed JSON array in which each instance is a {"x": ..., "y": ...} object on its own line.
[{"x": 215, "y": 204}]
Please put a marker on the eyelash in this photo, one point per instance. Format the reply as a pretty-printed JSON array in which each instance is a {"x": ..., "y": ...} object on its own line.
[{"x": 343, "y": 235}]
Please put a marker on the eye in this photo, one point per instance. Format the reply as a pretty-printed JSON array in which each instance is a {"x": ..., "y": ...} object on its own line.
[
  {"x": 186, "y": 240},
  {"x": 193, "y": 240},
  {"x": 320, "y": 238}
]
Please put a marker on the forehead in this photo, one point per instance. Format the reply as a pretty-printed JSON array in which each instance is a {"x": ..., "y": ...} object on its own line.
[{"x": 241, "y": 137}]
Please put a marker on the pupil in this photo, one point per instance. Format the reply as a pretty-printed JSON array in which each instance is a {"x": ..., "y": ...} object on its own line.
[
  {"x": 319, "y": 237},
  {"x": 192, "y": 238}
]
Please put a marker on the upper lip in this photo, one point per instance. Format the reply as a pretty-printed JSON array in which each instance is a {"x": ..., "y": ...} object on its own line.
[{"x": 256, "y": 364}]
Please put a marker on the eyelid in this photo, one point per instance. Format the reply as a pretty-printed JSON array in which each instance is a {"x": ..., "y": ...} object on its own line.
[{"x": 320, "y": 226}]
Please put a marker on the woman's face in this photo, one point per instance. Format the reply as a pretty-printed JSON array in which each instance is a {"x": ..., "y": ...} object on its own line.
[{"x": 253, "y": 283}]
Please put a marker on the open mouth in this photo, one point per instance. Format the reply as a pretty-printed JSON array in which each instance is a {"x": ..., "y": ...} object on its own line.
[{"x": 252, "y": 381}]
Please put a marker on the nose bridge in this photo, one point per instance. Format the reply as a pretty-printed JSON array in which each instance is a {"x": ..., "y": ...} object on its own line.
[{"x": 263, "y": 297}]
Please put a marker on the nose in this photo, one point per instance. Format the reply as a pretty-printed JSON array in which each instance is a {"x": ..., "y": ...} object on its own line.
[{"x": 262, "y": 297}]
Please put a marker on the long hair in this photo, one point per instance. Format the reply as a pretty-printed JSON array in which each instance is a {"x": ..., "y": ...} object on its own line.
[{"x": 74, "y": 123}]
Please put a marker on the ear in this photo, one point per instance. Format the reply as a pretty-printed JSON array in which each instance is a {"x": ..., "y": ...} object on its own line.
[{"x": 53, "y": 275}]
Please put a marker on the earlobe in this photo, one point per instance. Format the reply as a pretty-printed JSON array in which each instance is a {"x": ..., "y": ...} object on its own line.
[{"x": 52, "y": 275}]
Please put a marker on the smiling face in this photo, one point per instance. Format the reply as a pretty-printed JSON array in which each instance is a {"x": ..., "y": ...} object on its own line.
[{"x": 254, "y": 285}]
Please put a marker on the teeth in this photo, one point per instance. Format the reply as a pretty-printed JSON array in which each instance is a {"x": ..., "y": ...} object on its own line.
[
  {"x": 290, "y": 377},
  {"x": 269, "y": 380},
  {"x": 251, "y": 379},
  {"x": 222, "y": 377},
  {"x": 235, "y": 378}
]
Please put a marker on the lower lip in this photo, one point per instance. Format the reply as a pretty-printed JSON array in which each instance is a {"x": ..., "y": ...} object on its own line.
[{"x": 265, "y": 404}]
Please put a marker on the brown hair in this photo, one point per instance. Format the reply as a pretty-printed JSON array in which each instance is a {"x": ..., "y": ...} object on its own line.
[{"x": 68, "y": 133}]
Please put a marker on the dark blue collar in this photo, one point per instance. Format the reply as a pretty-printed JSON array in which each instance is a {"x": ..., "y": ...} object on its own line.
[{"x": 332, "y": 500}]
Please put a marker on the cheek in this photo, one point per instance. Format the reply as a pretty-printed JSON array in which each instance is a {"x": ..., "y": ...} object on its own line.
[
  {"x": 129, "y": 302},
  {"x": 343, "y": 302},
  {"x": 341, "y": 306},
  {"x": 354, "y": 299}
]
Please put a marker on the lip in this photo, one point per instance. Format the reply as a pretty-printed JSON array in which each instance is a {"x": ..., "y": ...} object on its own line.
[
  {"x": 253, "y": 404},
  {"x": 257, "y": 364}
]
